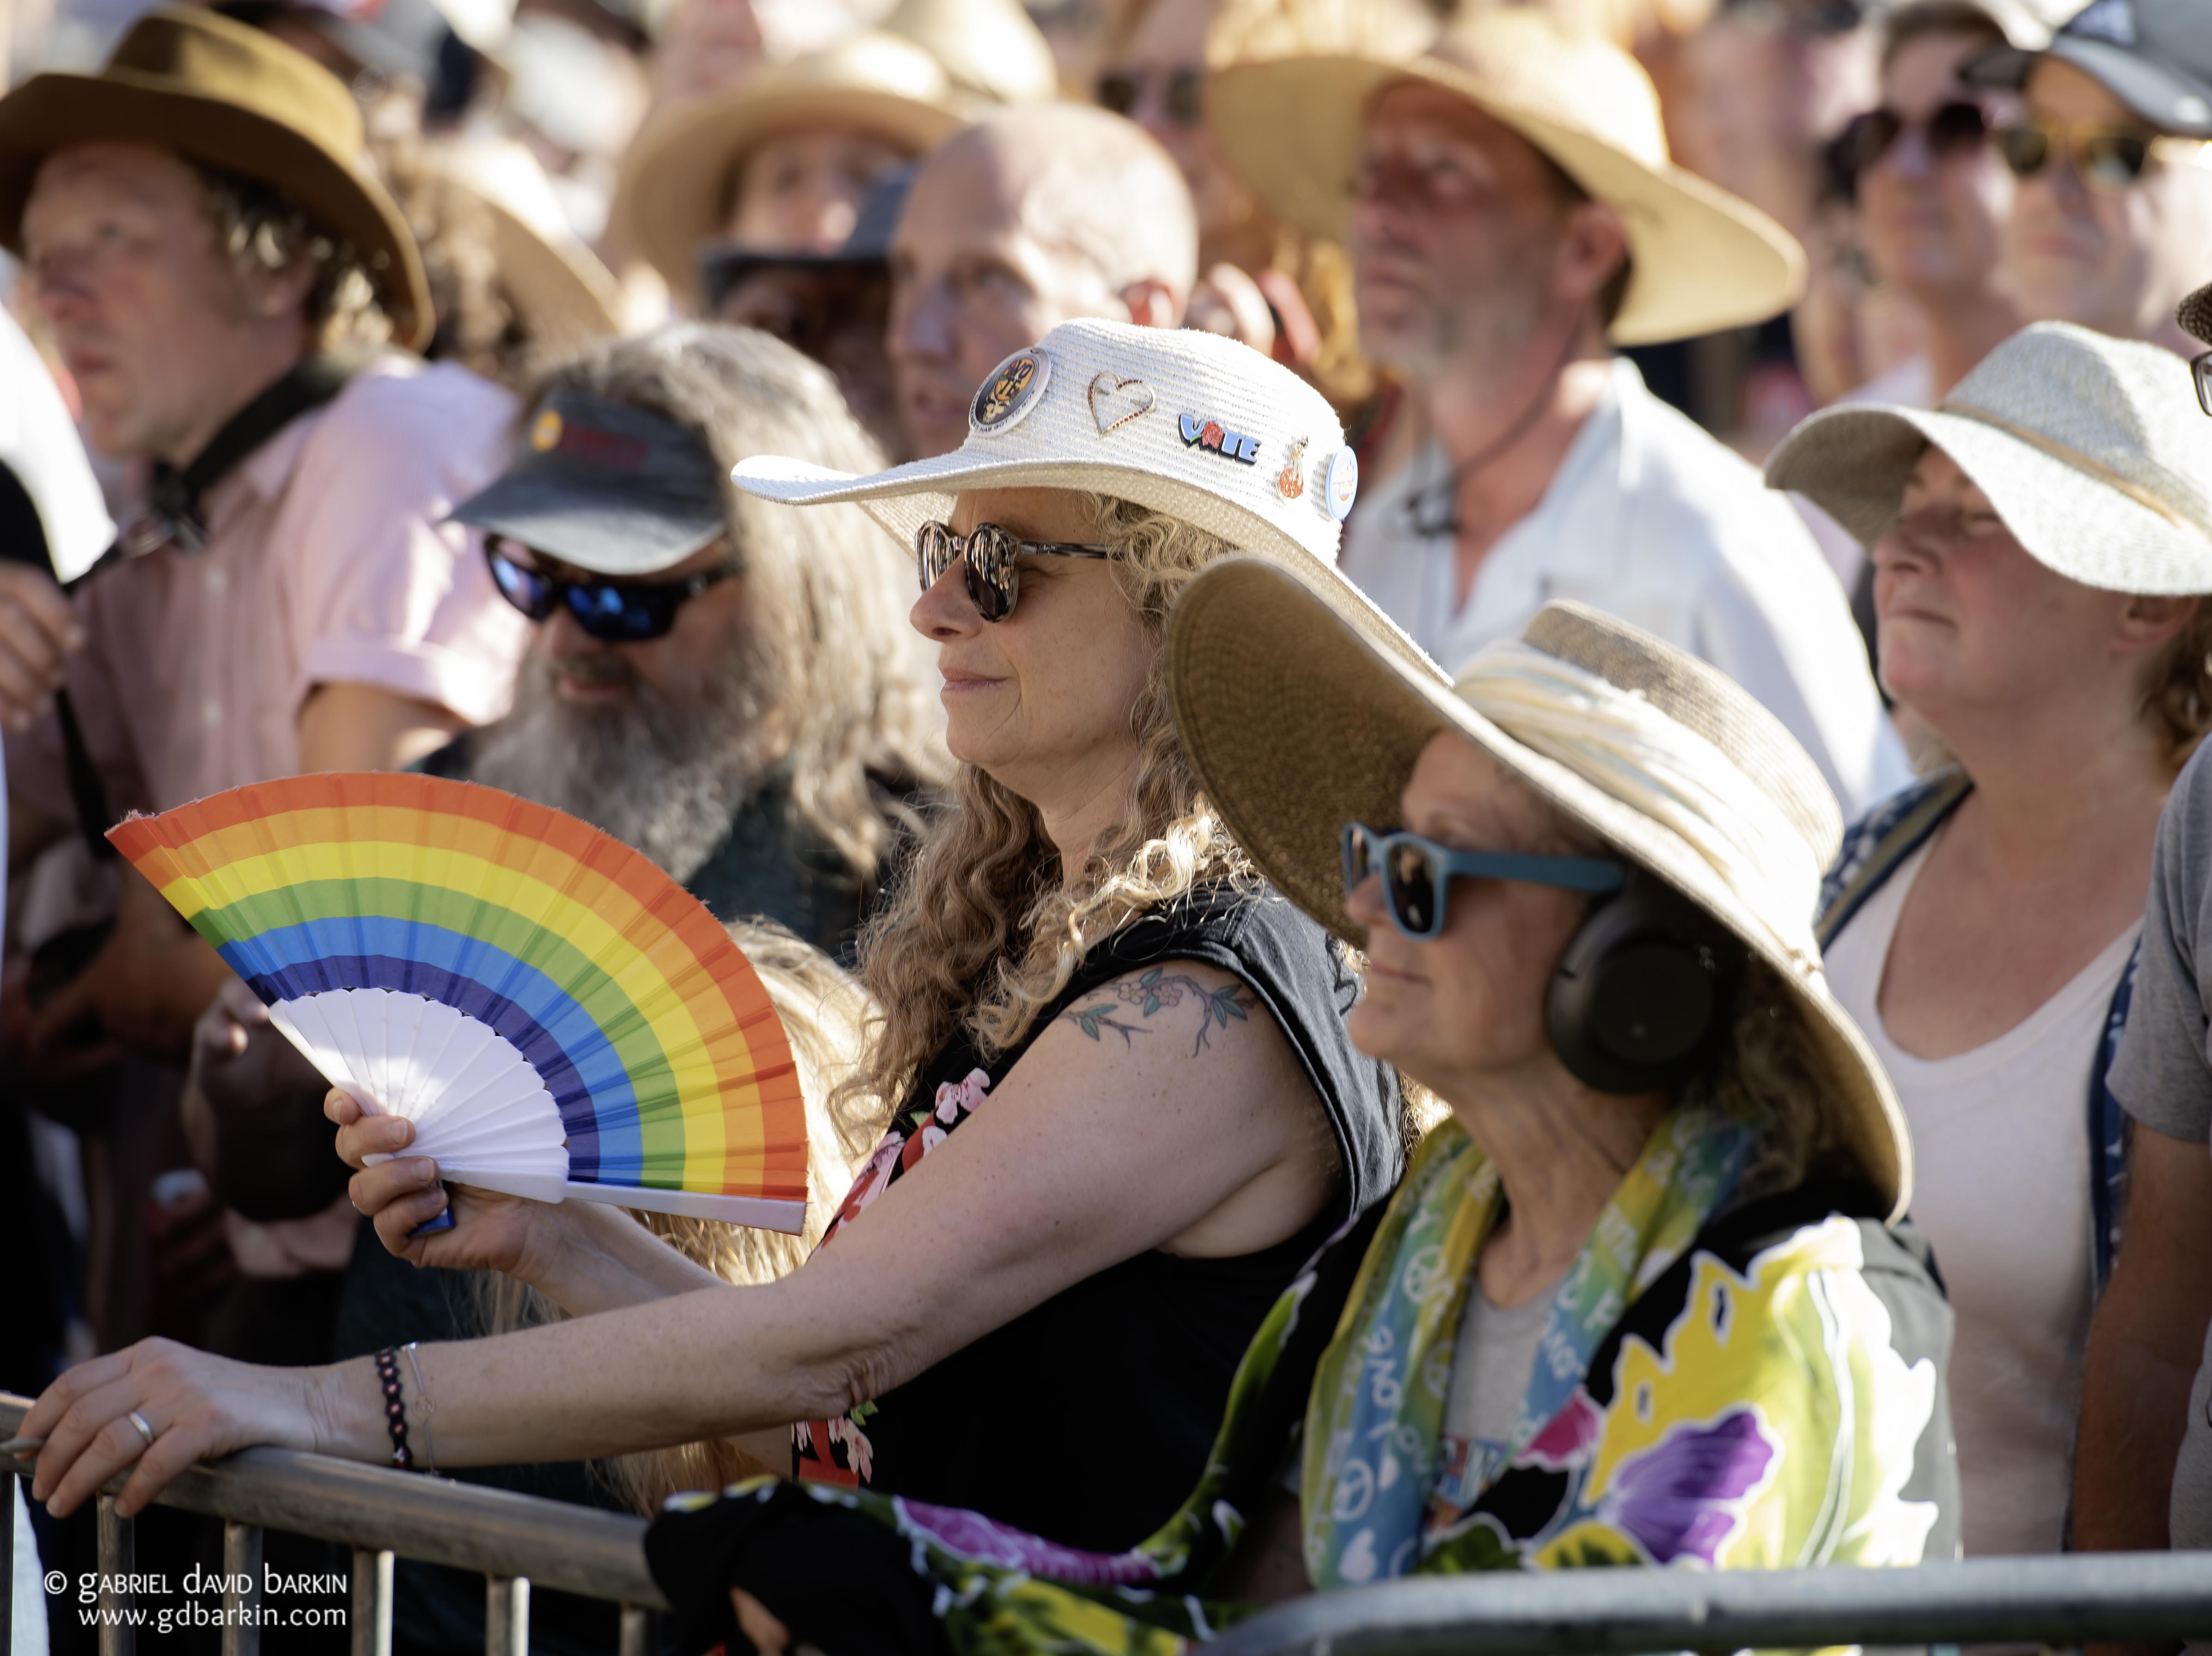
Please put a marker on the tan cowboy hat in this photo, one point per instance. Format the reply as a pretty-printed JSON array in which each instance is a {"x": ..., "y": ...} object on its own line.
[
  {"x": 673, "y": 191},
  {"x": 1703, "y": 260},
  {"x": 223, "y": 94},
  {"x": 2091, "y": 449},
  {"x": 990, "y": 51},
  {"x": 2194, "y": 313},
  {"x": 566, "y": 296},
  {"x": 1298, "y": 724}
]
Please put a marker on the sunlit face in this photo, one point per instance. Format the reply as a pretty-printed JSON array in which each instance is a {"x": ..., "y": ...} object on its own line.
[
  {"x": 1468, "y": 1005},
  {"x": 972, "y": 283},
  {"x": 592, "y": 673},
  {"x": 2116, "y": 261},
  {"x": 1171, "y": 40},
  {"x": 1935, "y": 220},
  {"x": 1970, "y": 623},
  {"x": 1044, "y": 697},
  {"x": 148, "y": 312},
  {"x": 1454, "y": 225},
  {"x": 800, "y": 192}
]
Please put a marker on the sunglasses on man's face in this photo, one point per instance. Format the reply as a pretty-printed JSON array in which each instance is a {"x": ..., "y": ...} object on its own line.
[
  {"x": 1179, "y": 90},
  {"x": 993, "y": 556},
  {"x": 1951, "y": 131},
  {"x": 1417, "y": 874},
  {"x": 2107, "y": 160},
  {"x": 613, "y": 612}
]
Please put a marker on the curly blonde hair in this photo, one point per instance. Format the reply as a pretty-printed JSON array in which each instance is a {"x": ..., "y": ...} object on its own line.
[
  {"x": 2176, "y": 699},
  {"x": 823, "y": 1011},
  {"x": 987, "y": 927}
]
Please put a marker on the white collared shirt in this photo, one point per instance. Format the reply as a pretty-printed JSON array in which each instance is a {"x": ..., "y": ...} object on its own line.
[{"x": 1650, "y": 520}]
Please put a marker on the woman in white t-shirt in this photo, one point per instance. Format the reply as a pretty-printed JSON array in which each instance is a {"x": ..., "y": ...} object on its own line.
[{"x": 2040, "y": 547}]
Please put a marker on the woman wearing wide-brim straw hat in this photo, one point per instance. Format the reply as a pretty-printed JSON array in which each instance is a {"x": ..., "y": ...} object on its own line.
[
  {"x": 1702, "y": 259},
  {"x": 1119, "y": 1108},
  {"x": 879, "y": 98},
  {"x": 2042, "y": 547}
]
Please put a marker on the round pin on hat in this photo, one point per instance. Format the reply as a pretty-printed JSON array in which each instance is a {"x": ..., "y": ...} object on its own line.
[{"x": 1009, "y": 392}]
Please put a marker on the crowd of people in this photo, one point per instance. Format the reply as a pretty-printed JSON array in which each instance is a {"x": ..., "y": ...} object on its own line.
[{"x": 1463, "y": 739}]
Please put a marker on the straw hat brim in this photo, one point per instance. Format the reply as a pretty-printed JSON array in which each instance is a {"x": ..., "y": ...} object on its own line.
[
  {"x": 904, "y": 497},
  {"x": 567, "y": 297},
  {"x": 673, "y": 185},
  {"x": 1852, "y": 463},
  {"x": 1703, "y": 260},
  {"x": 1298, "y": 724},
  {"x": 55, "y": 110}
]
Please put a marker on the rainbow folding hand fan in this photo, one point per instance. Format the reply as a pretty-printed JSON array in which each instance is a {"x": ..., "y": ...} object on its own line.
[{"x": 556, "y": 1016}]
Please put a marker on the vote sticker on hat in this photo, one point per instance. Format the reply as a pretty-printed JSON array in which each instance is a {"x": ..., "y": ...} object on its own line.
[
  {"x": 1014, "y": 387},
  {"x": 1339, "y": 484}
]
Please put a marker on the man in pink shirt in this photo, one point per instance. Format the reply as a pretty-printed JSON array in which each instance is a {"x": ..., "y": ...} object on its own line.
[{"x": 200, "y": 228}]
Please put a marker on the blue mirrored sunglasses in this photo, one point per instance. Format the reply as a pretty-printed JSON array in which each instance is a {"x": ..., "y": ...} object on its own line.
[
  {"x": 613, "y": 612},
  {"x": 1417, "y": 874}
]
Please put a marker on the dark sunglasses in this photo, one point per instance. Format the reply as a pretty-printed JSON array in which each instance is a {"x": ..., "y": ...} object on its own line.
[
  {"x": 1123, "y": 91},
  {"x": 993, "y": 557},
  {"x": 613, "y": 612},
  {"x": 2104, "y": 160},
  {"x": 1417, "y": 874},
  {"x": 1953, "y": 130},
  {"x": 2201, "y": 367}
]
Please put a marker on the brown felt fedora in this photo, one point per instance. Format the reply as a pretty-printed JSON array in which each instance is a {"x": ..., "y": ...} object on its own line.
[{"x": 221, "y": 93}]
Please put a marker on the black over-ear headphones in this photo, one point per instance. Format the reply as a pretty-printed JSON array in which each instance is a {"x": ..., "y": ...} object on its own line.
[{"x": 1644, "y": 989}]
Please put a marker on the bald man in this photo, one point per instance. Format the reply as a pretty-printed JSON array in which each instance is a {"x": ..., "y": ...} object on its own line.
[{"x": 1015, "y": 225}]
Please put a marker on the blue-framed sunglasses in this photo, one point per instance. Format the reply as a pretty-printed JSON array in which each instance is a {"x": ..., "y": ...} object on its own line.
[
  {"x": 1417, "y": 874},
  {"x": 613, "y": 612}
]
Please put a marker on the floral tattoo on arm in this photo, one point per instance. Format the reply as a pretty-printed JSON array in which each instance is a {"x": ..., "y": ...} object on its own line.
[{"x": 1156, "y": 991}]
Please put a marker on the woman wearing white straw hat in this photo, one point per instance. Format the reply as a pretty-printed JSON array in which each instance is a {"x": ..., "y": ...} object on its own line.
[
  {"x": 1119, "y": 1107},
  {"x": 2042, "y": 545},
  {"x": 1641, "y": 1303}
]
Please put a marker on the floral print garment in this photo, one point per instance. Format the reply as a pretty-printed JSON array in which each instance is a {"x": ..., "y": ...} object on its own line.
[{"x": 1769, "y": 1396}]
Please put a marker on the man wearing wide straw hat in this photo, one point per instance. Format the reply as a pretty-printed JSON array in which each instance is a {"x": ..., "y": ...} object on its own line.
[
  {"x": 200, "y": 227},
  {"x": 2143, "y": 1468},
  {"x": 2042, "y": 557},
  {"x": 1511, "y": 209}
]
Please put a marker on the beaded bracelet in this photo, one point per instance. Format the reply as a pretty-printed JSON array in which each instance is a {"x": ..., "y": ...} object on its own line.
[{"x": 395, "y": 1411}]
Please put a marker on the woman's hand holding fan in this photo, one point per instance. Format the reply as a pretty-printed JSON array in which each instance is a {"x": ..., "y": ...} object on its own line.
[{"x": 491, "y": 1231}]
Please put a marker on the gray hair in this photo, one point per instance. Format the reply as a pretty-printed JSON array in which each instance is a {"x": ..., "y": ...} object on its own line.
[{"x": 836, "y": 662}]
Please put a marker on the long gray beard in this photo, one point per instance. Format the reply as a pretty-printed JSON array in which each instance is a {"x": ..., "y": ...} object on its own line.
[{"x": 663, "y": 773}]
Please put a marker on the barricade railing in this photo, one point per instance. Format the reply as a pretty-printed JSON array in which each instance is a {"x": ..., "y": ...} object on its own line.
[{"x": 517, "y": 1540}]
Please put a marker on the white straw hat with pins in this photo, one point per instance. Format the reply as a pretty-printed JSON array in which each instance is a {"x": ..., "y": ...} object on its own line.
[
  {"x": 2091, "y": 449},
  {"x": 1188, "y": 423}
]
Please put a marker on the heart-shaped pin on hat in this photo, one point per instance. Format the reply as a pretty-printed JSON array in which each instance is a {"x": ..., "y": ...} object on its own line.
[{"x": 1188, "y": 423}]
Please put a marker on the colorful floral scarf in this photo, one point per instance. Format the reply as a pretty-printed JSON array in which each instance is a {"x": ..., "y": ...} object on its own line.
[{"x": 1376, "y": 1415}]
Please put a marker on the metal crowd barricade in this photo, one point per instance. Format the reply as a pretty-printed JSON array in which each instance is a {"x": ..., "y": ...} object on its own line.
[{"x": 516, "y": 1540}]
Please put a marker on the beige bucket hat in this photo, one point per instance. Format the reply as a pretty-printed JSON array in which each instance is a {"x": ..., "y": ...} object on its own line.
[
  {"x": 1298, "y": 724},
  {"x": 566, "y": 296},
  {"x": 673, "y": 187},
  {"x": 1703, "y": 260},
  {"x": 1188, "y": 423},
  {"x": 2091, "y": 449}
]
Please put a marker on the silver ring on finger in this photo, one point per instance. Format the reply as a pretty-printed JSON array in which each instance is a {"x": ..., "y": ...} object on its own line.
[{"x": 145, "y": 1430}]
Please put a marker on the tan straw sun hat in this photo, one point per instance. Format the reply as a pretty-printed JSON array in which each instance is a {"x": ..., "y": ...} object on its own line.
[
  {"x": 673, "y": 191},
  {"x": 2091, "y": 450},
  {"x": 1298, "y": 724},
  {"x": 1703, "y": 260},
  {"x": 229, "y": 96},
  {"x": 567, "y": 297},
  {"x": 1188, "y": 423}
]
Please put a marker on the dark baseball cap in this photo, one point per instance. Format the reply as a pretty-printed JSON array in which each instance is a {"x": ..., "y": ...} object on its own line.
[
  {"x": 605, "y": 486},
  {"x": 723, "y": 266},
  {"x": 2155, "y": 55}
]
